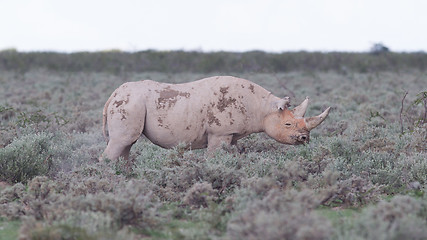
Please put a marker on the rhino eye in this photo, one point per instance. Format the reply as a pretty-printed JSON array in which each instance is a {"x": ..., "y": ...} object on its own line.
[{"x": 288, "y": 124}]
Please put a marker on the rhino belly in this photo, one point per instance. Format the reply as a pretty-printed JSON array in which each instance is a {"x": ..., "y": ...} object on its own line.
[{"x": 169, "y": 134}]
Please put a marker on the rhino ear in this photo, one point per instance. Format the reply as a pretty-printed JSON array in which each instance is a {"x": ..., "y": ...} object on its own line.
[{"x": 283, "y": 103}]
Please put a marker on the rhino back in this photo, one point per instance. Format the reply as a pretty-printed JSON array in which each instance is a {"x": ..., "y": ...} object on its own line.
[{"x": 187, "y": 113}]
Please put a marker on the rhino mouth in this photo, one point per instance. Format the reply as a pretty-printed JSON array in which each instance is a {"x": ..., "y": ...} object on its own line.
[{"x": 301, "y": 139}]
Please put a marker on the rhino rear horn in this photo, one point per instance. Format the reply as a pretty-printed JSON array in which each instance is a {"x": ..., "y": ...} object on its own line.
[
  {"x": 313, "y": 122},
  {"x": 299, "y": 111},
  {"x": 283, "y": 103}
]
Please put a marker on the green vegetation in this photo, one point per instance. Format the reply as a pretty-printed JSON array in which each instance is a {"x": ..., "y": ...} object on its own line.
[
  {"x": 363, "y": 175},
  {"x": 8, "y": 229}
]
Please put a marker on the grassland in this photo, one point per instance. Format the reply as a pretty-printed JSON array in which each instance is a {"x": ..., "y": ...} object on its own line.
[{"x": 363, "y": 175}]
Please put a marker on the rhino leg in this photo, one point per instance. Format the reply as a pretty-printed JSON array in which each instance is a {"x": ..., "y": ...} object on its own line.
[
  {"x": 124, "y": 132},
  {"x": 215, "y": 142},
  {"x": 116, "y": 149}
]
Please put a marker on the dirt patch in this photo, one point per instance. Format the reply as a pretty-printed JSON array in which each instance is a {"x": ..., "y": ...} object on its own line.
[
  {"x": 252, "y": 88},
  {"x": 160, "y": 120},
  {"x": 224, "y": 102},
  {"x": 123, "y": 113},
  {"x": 119, "y": 103},
  {"x": 168, "y": 97},
  {"x": 242, "y": 109},
  {"x": 224, "y": 90},
  {"x": 212, "y": 119}
]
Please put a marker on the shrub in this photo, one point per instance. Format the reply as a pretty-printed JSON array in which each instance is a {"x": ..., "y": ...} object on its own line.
[
  {"x": 39, "y": 231},
  {"x": 84, "y": 204},
  {"x": 81, "y": 226},
  {"x": 37, "y": 154},
  {"x": 200, "y": 195},
  {"x": 17, "y": 122},
  {"x": 26, "y": 157},
  {"x": 177, "y": 174},
  {"x": 355, "y": 192},
  {"x": 401, "y": 218},
  {"x": 280, "y": 216},
  {"x": 12, "y": 193}
]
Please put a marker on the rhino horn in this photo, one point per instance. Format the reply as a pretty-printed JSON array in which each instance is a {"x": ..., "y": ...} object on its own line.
[
  {"x": 299, "y": 111},
  {"x": 283, "y": 103},
  {"x": 313, "y": 122}
]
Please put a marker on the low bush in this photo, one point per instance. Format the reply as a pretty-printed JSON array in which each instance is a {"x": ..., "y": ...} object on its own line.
[
  {"x": 280, "y": 215},
  {"x": 177, "y": 174},
  {"x": 403, "y": 217},
  {"x": 29, "y": 156},
  {"x": 200, "y": 195},
  {"x": 46, "y": 154},
  {"x": 354, "y": 192},
  {"x": 87, "y": 206}
]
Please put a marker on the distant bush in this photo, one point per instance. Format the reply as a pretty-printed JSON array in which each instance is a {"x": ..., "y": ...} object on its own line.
[
  {"x": 181, "y": 61},
  {"x": 379, "y": 48}
]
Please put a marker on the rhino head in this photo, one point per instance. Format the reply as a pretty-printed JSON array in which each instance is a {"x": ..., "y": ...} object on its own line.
[{"x": 290, "y": 126}]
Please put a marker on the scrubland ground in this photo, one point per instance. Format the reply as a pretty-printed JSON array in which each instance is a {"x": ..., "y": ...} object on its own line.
[{"x": 363, "y": 175}]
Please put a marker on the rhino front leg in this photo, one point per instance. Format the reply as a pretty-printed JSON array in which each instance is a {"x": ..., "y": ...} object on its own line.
[{"x": 215, "y": 142}]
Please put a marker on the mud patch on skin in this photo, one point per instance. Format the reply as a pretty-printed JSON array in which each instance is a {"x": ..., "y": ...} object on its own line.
[
  {"x": 224, "y": 102},
  {"x": 252, "y": 88},
  {"x": 212, "y": 119},
  {"x": 161, "y": 123},
  {"x": 123, "y": 113},
  {"x": 230, "y": 115},
  {"x": 224, "y": 90},
  {"x": 118, "y": 103},
  {"x": 160, "y": 120},
  {"x": 121, "y": 102},
  {"x": 168, "y": 97},
  {"x": 242, "y": 109}
]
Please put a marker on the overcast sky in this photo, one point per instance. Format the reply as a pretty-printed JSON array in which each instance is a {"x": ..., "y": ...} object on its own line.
[{"x": 230, "y": 25}]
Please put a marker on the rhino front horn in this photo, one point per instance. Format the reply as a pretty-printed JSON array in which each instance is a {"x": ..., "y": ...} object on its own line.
[{"x": 313, "y": 122}]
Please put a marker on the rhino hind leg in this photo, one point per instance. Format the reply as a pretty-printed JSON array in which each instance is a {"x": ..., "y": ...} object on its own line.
[
  {"x": 116, "y": 149},
  {"x": 124, "y": 132}
]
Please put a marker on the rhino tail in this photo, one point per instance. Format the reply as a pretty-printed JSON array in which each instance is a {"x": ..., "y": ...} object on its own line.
[{"x": 104, "y": 117}]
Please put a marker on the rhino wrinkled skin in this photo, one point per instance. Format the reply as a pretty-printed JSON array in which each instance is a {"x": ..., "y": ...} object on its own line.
[{"x": 204, "y": 113}]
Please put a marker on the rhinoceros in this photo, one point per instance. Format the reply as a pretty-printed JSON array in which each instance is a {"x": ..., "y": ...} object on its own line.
[{"x": 204, "y": 113}]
